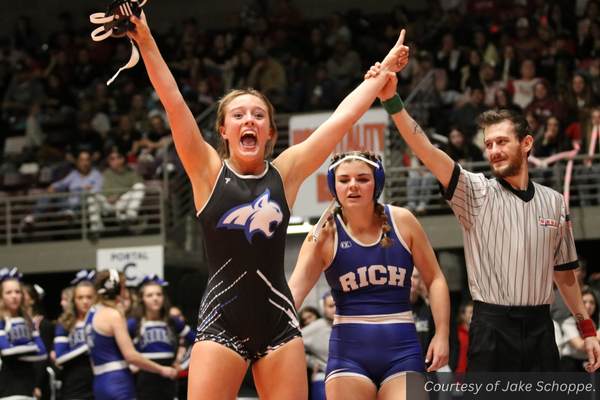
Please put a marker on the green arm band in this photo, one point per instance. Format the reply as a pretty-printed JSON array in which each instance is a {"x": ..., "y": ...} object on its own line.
[{"x": 393, "y": 105}]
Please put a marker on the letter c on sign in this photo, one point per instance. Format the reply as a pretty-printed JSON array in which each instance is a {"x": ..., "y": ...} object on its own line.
[{"x": 129, "y": 265}]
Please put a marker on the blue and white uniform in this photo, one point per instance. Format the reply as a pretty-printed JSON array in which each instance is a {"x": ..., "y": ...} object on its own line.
[
  {"x": 154, "y": 340},
  {"x": 112, "y": 377},
  {"x": 72, "y": 353},
  {"x": 373, "y": 335},
  {"x": 20, "y": 347}
]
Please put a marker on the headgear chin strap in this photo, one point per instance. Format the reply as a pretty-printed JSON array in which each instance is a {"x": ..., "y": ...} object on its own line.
[{"x": 115, "y": 22}]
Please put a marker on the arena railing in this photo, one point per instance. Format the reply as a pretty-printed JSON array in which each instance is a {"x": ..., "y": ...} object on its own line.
[
  {"x": 53, "y": 223},
  {"x": 417, "y": 188}
]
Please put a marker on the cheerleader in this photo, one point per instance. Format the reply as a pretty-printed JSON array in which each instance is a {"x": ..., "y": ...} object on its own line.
[
  {"x": 156, "y": 336},
  {"x": 110, "y": 346},
  {"x": 20, "y": 343},
  {"x": 70, "y": 346}
]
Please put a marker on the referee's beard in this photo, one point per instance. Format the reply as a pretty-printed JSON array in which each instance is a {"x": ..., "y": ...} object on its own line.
[{"x": 514, "y": 167}]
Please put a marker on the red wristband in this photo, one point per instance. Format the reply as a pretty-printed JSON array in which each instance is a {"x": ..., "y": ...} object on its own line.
[{"x": 586, "y": 327}]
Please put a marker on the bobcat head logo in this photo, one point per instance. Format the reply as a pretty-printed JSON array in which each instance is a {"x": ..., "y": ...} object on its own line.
[{"x": 263, "y": 215}]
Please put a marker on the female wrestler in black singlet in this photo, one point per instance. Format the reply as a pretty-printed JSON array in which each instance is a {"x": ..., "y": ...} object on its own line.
[{"x": 244, "y": 202}]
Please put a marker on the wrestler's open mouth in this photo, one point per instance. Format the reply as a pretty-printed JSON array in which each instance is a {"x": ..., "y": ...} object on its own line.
[{"x": 249, "y": 139}]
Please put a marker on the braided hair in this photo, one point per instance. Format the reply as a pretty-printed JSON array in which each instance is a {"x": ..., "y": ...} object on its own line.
[{"x": 386, "y": 241}]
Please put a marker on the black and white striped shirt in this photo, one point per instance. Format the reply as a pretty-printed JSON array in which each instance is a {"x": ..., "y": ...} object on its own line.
[{"x": 514, "y": 240}]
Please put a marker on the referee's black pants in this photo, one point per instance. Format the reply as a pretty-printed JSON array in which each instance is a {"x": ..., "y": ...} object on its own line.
[{"x": 511, "y": 339}]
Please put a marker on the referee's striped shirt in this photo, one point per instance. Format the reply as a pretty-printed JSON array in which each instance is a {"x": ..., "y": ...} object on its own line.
[{"x": 513, "y": 239}]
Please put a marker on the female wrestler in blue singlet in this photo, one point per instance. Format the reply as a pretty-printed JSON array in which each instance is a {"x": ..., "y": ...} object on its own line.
[
  {"x": 368, "y": 263},
  {"x": 20, "y": 344},
  {"x": 110, "y": 346},
  {"x": 156, "y": 336},
  {"x": 70, "y": 346},
  {"x": 243, "y": 202}
]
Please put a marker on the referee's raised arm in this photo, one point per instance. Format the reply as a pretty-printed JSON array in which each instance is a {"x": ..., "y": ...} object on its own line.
[{"x": 438, "y": 162}]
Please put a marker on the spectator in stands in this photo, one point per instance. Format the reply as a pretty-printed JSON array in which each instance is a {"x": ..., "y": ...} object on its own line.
[
  {"x": 546, "y": 53},
  {"x": 460, "y": 149},
  {"x": 470, "y": 73},
  {"x": 485, "y": 47},
  {"x": 590, "y": 173},
  {"x": 522, "y": 89},
  {"x": 545, "y": 104},
  {"x": 337, "y": 29},
  {"x": 450, "y": 59},
  {"x": 84, "y": 179},
  {"x": 559, "y": 21},
  {"x": 123, "y": 138},
  {"x": 524, "y": 42},
  {"x": 574, "y": 354},
  {"x": 503, "y": 100},
  {"x": 242, "y": 65},
  {"x": 399, "y": 20},
  {"x": 548, "y": 142},
  {"x": 421, "y": 310},
  {"x": 23, "y": 92},
  {"x": 150, "y": 148},
  {"x": 139, "y": 113},
  {"x": 344, "y": 67},
  {"x": 268, "y": 76},
  {"x": 316, "y": 343},
  {"x": 579, "y": 97},
  {"x": 317, "y": 94},
  {"x": 508, "y": 64},
  {"x": 59, "y": 105},
  {"x": 584, "y": 26},
  {"x": 465, "y": 114},
  {"x": 465, "y": 314},
  {"x": 85, "y": 140},
  {"x": 85, "y": 71},
  {"x": 308, "y": 315},
  {"x": 117, "y": 178},
  {"x": 316, "y": 50},
  {"x": 490, "y": 82}
]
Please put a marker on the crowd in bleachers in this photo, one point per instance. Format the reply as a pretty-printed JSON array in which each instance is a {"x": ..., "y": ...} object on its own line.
[{"x": 537, "y": 56}]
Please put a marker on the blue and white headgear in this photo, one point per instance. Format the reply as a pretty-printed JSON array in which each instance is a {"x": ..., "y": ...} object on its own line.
[
  {"x": 83, "y": 276},
  {"x": 379, "y": 174},
  {"x": 6, "y": 273},
  {"x": 115, "y": 22},
  {"x": 379, "y": 177}
]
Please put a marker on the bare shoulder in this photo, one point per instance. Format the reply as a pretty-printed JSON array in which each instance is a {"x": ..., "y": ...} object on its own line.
[
  {"x": 110, "y": 314},
  {"x": 402, "y": 215}
]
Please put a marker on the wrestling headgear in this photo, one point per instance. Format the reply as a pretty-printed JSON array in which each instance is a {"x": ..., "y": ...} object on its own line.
[
  {"x": 115, "y": 22},
  {"x": 379, "y": 174}
]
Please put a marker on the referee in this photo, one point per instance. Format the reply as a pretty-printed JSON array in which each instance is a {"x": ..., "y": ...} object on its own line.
[{"x": 518, "y": 240}]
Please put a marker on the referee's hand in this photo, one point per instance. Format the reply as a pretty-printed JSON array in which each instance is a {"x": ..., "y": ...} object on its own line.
[{"x": 593, "y": 349}]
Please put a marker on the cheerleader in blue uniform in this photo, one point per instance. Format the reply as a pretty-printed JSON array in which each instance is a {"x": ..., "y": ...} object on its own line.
[
  {"x": 368, "y": 251},
  {"x": 20, "y": 344},
  {"x": 110, "y": 346},
  {"x": 156, "y": 336},
  {"x": 70, "y": 345}
]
